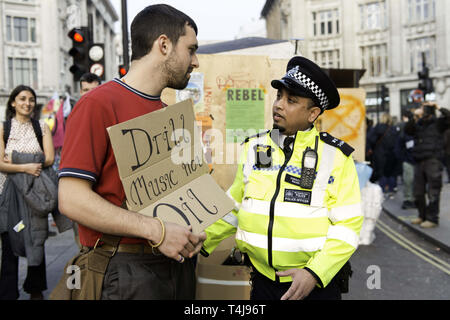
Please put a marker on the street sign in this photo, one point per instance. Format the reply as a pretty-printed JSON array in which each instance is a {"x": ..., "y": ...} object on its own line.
[{"x": 97, "y": 69}]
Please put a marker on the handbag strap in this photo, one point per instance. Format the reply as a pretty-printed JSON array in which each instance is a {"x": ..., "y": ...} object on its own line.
[
  {"x": 98, "y": 259},
  {"x": 110, "y": 240}
]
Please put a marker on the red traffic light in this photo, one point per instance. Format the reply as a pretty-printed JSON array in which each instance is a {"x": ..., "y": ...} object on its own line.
[
  {"x": 76, "y": 35},
  {"x": 79, "y": 51},
  {"x": 122, "y": 70}
]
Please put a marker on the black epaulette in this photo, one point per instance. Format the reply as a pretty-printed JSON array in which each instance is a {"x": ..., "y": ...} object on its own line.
[
  {"x": 335, "y": 142},
  {"x": 255, "y": 136}
]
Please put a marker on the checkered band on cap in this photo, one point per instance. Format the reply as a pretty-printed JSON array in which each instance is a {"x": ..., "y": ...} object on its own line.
[{"x": 296, "y": 75}]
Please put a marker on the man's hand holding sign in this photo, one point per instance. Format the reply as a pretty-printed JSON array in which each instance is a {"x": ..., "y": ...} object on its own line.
[{"x": 161, "y": 166}]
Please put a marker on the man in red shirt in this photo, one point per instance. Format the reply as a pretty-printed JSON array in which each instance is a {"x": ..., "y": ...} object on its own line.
[{"x": 164, "y": 45}]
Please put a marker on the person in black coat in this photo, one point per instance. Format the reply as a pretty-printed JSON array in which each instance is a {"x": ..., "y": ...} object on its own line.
[
  {"x": 428, "y": 132},
  {"x": 381, "y": 142}
]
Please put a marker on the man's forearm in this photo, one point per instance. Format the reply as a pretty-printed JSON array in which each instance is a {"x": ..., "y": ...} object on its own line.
[{"x": 80, "y": 203}]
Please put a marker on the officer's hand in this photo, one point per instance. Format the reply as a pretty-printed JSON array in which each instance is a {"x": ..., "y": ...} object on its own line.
[
  {"x": 196, "y": 243},
  {"x": 303, "y": 283}
]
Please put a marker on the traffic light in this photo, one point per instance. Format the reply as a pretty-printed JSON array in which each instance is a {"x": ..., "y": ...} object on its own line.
[
  {"x": 426, "y": 83},
  {"x": 97, "y": 59},
  {"x": 384, "y": 95},
  {"x": 122, "y": 70},
  {"x": 79, "y": 51}
]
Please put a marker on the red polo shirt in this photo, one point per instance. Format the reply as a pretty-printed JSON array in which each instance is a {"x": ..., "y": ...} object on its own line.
[{"x": 87, "y": 152}]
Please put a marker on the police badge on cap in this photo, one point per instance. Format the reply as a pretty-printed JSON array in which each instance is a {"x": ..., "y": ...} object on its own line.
[{"x": 306, "y": 79}]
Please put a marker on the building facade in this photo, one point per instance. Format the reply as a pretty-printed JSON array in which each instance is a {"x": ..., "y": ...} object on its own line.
[
  {"x": 384, "y": 37},
  {"x": 34, "y": 44}
]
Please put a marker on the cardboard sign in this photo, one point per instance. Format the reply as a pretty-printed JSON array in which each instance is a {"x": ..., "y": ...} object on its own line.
[{"x": 162, "y": 168}]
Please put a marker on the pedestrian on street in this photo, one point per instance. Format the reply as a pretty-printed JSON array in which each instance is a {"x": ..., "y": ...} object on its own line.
[
  {"x": 369, "y": 152},
  {"x": 20, "y": 133},
  {"x": 89, "y": 81},
  {"x": 382, "y": 140},
  {"x": 428, "y": 132},
  {"x": 446, "y": 159},
  {"x": 153, "y": 258},
  {"x": 297, "y": 196},
  {"x": 403, "y": 152}
]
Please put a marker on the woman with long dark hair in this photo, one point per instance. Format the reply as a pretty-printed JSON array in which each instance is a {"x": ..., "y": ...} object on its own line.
[{"x": 18, "y": 134}]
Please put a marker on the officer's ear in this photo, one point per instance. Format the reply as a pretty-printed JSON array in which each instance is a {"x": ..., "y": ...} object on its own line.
[{"x": 314, "y": 113}]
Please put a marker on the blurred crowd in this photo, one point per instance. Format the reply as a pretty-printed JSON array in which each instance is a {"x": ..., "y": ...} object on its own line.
[{"x": 414, "y": 151}]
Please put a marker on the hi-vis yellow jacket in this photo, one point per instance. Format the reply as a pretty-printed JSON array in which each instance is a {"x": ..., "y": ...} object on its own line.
[{"x": 282, "y": 226}]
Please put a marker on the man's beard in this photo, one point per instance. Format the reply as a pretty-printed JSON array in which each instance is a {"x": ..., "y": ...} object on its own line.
[
  {"x": 176, "y": 79},
  {"x": 279, "y": 128}
]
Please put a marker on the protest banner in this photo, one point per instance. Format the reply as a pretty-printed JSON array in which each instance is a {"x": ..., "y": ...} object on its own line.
[{"x": 162, "y": 168}]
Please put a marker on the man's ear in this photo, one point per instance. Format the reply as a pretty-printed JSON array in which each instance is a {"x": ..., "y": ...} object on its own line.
[
  {"x": 164, "y": 44},
  {"x": 314, "y": 114}
]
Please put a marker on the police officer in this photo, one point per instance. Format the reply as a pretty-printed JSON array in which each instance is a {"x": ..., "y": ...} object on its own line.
[{"x": 297, "y": 197}]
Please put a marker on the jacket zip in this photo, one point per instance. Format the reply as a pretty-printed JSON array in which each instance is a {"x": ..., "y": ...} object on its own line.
[{"x": 272, "y": 214}]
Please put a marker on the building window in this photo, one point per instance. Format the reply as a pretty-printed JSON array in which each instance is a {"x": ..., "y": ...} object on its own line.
[
  {"x": 373, "y": 16},
  {"x": 20, "y": 29},
  {"x": 8, "y": 28},
  {"x": 23, "y": 71},
  {"x": 374, "y": 103},
  {"x": 416, "y": 47},
  {"x": 326, "y": 22},
  {"x": 421, "y": 10},
  {"x": 375, "y": 60},
  {"x": 33, "y": 30},
  {"x": 328, "y": 58}
]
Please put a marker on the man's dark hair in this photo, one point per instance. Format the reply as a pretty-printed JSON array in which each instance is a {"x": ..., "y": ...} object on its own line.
[
  {"x": 90, "y": 77},
  {"x": 154, "y": 21}
]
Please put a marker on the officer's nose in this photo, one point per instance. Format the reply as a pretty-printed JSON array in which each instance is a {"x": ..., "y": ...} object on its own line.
[{"x": 278, "y": 104}]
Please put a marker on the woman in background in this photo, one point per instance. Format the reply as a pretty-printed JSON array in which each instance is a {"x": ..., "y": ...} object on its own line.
[{"x": 22, "y": 138}]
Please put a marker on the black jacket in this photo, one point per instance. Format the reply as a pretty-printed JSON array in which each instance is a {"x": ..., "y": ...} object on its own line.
[
  {"x": 382, "y": 140},
  {"x": 429, "y": 136},
  {"x": 403, "y": 148}
]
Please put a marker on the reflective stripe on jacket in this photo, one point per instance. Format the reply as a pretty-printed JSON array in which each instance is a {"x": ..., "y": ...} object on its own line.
[{"x": 318, "y": 228}]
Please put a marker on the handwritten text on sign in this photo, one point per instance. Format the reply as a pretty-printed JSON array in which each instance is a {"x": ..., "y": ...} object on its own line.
[{"x": 161, "y": 165}]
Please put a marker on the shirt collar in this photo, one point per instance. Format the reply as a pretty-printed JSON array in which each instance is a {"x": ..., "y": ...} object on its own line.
[{"x": 281, "y": 137}]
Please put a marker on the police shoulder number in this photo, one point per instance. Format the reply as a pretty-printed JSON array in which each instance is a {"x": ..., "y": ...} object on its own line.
[{"x": 335, "y": 142}]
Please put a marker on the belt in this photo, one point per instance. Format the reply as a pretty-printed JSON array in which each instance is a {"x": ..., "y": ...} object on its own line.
[{"x": 132, "y": 248}]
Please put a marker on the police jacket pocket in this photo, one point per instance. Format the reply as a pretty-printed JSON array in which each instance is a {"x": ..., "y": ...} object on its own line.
[{"x": 257, "y": 187}]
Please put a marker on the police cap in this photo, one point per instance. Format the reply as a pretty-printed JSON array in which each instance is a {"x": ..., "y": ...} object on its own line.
[{"x": 306, "y": 79}]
